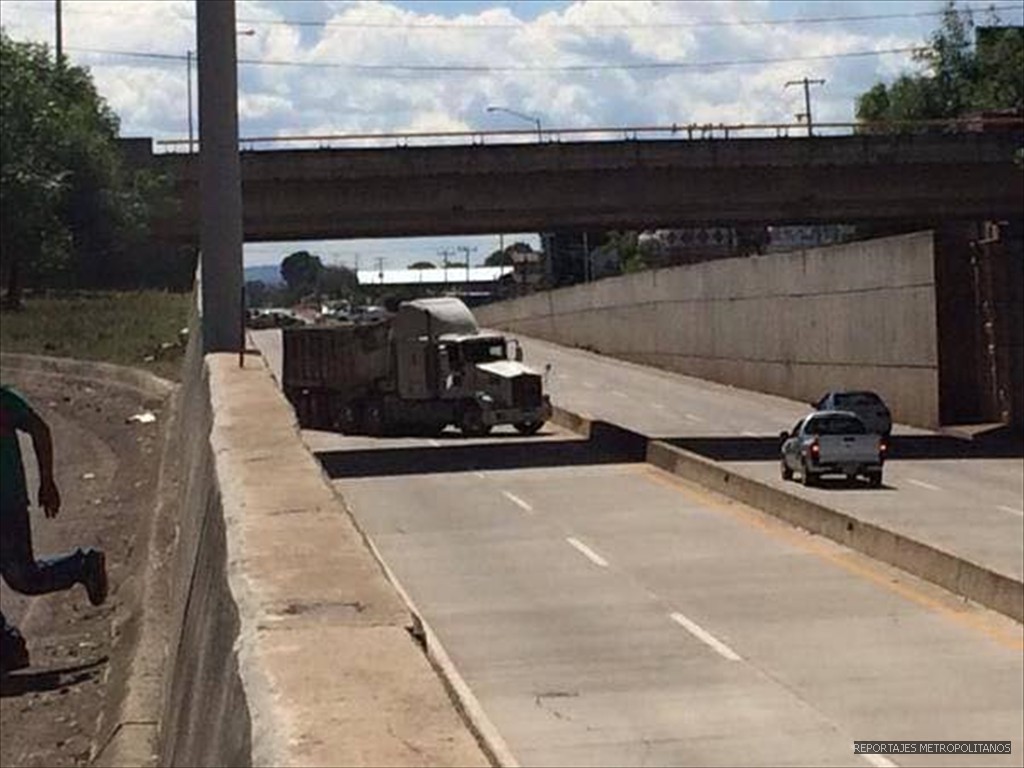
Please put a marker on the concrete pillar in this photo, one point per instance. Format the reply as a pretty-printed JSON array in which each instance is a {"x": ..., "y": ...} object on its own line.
[{"x": 220, "y": 180}]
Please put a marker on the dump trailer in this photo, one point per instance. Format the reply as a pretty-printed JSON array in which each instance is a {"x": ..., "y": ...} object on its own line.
[{"x": 426, "y": 367}]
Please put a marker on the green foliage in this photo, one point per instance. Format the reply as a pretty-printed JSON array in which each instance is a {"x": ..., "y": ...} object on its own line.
[
  {"x": 633, "y": 255},
  {"x": 504, "y": 258},
  {"x": 338, "y": 283},
  {"x": 960, "y": 77},
  {"x": 66, "y": 201},
  {"x": 301, "y": 271},
  {"x": 139, "y": 329},
  {"x": 423, "y": 265},
  {"x": 305, "y": 275}
]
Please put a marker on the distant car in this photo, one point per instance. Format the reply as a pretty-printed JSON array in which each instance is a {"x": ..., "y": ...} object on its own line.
[
  {"x": 868, "y": 406},
  {"x": 831, "y": 443},
  {"x": 274, "y": 318}
]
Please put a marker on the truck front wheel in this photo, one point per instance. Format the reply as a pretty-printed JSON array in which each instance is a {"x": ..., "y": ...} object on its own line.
[
  {"x": 472, "y": 423},
  {"x": 528, "y": 427}
]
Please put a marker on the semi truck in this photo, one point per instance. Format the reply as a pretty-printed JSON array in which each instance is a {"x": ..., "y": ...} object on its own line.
[{"x": 426, "y": 367}]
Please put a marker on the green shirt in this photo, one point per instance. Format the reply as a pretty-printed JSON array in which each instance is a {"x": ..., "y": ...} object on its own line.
[{"x": 14, "y": 415}]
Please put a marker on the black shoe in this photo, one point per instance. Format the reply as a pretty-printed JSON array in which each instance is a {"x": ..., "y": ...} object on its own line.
[
  {"x": 13, "y": 653},
  {"x": 95, "y": 577}
]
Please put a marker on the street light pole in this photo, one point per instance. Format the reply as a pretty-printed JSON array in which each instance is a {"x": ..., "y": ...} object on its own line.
[
  {"x": 60, "y": 33},
  {"x": 807, "y": 83},
  {"x": 531, "y": 118}
]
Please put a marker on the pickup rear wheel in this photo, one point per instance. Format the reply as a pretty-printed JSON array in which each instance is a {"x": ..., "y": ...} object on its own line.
[
  {"x": 875, "y": 479},
  {"x": 808, "y": 477},
  {"x": 528, "y": 427},
  {"x": 472, "y": 422},
  {"x": 787, "y": 473}
]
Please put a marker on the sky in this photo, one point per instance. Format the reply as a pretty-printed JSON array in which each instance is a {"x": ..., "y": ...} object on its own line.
[{"x": 330, "y": 67}]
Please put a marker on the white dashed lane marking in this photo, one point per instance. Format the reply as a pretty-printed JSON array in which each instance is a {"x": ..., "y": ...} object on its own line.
[
  {"x": 587, "y": 552},
  {"x": 879, "y": 762},
  {"x": 923, "y": 484},
  {"x": 704, "y": 636},
  {"x": 1012, "y": 511},
  {"x": 517, "y": 501}
]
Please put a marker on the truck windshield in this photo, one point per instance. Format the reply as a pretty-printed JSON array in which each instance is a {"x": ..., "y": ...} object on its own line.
[
  {"x": 836, "y": 425},
  {"x": 485, "y": 351}
]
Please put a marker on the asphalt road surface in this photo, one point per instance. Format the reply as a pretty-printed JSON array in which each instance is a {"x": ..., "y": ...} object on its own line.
[
  {"x": 605, "y": 613},
  {"x": 967, "y": 499}
]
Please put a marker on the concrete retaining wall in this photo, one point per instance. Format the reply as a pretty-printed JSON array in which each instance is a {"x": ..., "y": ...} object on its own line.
[
  {"x": 289, "y": 646},
  {"x": 860, "y": 315}
]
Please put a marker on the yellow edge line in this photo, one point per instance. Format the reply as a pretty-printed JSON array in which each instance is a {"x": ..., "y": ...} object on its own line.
[{"x": 966, "y": 616}]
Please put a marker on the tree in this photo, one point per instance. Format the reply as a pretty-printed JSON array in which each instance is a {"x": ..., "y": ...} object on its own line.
[
  {"x": 423, "y": 265},
  {"x": 505, "y": 258},
  {"x": 255, "y": 293},
  {"x": 66, "y": 198},
  {"x": 301, "y": 271},
  {"x": 338, "y": 282},
  {"x": 960, "y": 77}
]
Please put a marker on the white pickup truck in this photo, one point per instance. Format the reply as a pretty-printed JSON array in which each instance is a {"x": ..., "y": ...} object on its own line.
[{"x": 831, "y": 443}]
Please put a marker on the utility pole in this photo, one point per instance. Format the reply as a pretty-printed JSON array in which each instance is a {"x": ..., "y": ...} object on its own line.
[
  {"x": 60, "y": 34},
  {"x": 188, "y": 59},
  {"x": 445, "y": 253},
  {"x": 807, "y": 83},
  {"x": 466, "y": 250}
]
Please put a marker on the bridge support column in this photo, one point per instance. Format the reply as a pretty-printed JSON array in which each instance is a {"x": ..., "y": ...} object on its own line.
[{"x": 220, "y": 178}]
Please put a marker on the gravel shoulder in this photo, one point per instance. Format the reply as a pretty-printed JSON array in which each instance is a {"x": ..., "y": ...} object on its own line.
[{"x": 57, "y": 712}]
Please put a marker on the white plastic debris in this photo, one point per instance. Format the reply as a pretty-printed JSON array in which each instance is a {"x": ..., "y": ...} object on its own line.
[
  {"x": 89, "y": 476},
  {"x": 146, "y": 417}
]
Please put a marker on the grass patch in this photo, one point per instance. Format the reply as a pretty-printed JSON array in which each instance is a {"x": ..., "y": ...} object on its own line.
[{"x": 124, "y": 328}]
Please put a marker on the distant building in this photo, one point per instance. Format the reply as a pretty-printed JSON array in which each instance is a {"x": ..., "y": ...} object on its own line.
[{"x": 474, "y": 284}]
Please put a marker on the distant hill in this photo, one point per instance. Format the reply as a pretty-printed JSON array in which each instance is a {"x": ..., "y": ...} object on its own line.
[{"x": 269, "y": 274}]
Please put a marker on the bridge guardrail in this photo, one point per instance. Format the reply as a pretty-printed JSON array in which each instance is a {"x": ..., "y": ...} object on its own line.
[{"x": 688, "y": 131}]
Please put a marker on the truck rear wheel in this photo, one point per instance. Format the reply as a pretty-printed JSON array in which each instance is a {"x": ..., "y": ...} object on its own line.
[
  {"x": 528, "y": 427},
  {"x": 472, "y": 422},
  {"x": 373, "y": 419}
]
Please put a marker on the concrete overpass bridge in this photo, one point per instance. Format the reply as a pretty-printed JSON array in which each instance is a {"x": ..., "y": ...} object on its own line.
[{"x": 407, "y": 191}]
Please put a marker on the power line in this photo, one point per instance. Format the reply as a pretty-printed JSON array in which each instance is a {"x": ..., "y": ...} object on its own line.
[
  {"x": 697, "y": 24},
  {"x": 491, "y": 68},
  {"x": 523, "y": 25}
]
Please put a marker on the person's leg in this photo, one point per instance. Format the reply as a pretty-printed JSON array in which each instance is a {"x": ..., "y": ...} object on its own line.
[
  {"x": 13, "y": 651},
  {"x": 30, "y": 576}
]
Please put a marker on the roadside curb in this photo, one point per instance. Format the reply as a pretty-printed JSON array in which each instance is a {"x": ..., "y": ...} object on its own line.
[
  {"x": 118, "y": 375},
  {"x": 993, "y": 590},
  {"x": 486, "y": 733}
]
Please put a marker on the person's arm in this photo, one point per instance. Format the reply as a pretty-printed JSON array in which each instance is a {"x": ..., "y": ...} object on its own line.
[{"x": 39, "y": 431}]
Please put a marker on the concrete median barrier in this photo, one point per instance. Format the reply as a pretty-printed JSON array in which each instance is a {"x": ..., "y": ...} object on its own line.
[{"x": 957, "y": 574}]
